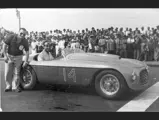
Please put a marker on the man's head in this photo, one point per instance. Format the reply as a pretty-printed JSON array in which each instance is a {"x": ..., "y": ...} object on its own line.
[
  {"x": 148, "y": 28},
  {"x": 22, "y": 32},
  {"x": 46, "y": 46},
  {"x": 3, "y": 31},
  {"x": 121, "y": 29}
]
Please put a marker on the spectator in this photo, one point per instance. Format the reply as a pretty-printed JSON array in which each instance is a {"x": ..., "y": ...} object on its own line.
[
  {"x": 156, "y": 51},
  {"x": 34, "y": 45},
  {"x": 142, "y": 31},
  {"x": 151, "y": 47},
  {"x": 137, "y": 45},
  {"x": 102, "y": 44},
  {"x": 125, "y": 42},
  {"x": 144, "y": 49}
]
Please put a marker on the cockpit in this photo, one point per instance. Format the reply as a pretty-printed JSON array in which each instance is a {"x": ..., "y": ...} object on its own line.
[
  {"x": 64, "y": 53},
  {"x": 35, "y": 58}
]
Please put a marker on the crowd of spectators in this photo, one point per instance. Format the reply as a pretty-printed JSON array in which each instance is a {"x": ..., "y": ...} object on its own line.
[{"x": 139, "y": 43}]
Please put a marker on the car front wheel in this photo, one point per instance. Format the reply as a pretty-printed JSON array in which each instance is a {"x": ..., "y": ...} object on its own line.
[
  {"x": 28, "y": 78},
  {"x": 110, "y": 84}
]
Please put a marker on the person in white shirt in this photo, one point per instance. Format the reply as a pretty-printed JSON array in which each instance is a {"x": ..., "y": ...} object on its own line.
[
  {"x": 34, "y": 45},
  {"x": 148, "y": 32},
  {"x": 75, "y": 43},
  {"x": 142, "y": 31},
  {"x": 45, "y": 55},
  {"x": 127, "y": 31},
  {"x": 60, "y": 46}
]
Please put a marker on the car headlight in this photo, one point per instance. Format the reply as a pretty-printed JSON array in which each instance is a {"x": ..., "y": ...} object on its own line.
[
  {"x": 134, "y": 76},
  {"x": 147, "y": 68}
]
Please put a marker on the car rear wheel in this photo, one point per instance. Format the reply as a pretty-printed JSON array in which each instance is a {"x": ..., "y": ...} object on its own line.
[
  {"x": 28, "y": 78},
  {"x": 110, "y": 84}
]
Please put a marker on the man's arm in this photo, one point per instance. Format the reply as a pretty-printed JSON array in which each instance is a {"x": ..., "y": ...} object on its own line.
[
  {"x": 26, "y": 47},
  {"x": 26, "y": 56},
  {"x": 4, "y": 50}
]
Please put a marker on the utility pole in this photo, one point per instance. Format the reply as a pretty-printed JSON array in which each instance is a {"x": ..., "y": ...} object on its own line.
[{"x": 19, "y": 18}]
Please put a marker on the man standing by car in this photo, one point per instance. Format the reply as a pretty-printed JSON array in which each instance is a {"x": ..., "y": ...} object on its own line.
[{"x": 13, "y": 57}]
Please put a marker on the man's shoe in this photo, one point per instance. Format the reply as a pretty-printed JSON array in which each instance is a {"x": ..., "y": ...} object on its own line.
[{"x": 7, "y": 90}]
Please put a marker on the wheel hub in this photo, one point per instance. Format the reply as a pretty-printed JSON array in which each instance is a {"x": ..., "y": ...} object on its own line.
[
  {"x": 109, "y": 84},
  {"x": 27, "y": 77}
]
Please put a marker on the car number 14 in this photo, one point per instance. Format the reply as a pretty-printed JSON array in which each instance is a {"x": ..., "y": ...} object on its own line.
[{"x": 71, "y": 74}]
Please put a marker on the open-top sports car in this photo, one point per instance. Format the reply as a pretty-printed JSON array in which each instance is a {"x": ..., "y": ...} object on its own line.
[{"x": 111, "y": 75}]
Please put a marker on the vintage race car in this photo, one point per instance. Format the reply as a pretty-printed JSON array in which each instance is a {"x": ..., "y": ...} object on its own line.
[{"x": 110, "y": 75}]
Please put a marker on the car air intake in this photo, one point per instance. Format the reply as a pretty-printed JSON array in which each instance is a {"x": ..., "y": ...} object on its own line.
[{"x": 143, "y": 77}]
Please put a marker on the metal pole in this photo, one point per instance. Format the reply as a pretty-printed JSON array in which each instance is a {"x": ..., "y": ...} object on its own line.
[
  {"x": 19, "y": 22},
  {"x": 19, "y": 18}
]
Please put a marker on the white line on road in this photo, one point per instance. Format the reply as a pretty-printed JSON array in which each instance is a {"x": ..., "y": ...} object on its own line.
[{"x": 143, "y": 101}]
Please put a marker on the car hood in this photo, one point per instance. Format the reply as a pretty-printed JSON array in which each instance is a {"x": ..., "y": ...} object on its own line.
[
  {"x": 106, "y": 58},
  {"x": 132, "y": 63}
]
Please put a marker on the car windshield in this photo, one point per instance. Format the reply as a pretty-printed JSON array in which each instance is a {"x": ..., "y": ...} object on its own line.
[{"x": 68, "y": 51}]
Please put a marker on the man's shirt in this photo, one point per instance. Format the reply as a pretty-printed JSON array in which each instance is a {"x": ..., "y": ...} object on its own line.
[
  {"x": 101, "y": 42},
  {"x": 44, "y": 56},
  {"x": 16, "y": 45},
  {"x": 61, "y": 44}
]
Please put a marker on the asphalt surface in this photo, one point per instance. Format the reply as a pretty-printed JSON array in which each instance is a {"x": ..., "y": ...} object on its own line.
[{"x": 48, "y": 99}]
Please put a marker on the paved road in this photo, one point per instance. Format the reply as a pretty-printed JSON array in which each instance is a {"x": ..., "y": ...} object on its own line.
[{"x": 47, "y": 99}]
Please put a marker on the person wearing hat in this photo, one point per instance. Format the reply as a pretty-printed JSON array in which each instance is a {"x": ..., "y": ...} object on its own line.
[{"x": 45, "y": 55}]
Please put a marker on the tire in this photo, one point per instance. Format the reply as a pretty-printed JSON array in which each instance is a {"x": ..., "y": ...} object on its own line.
[
  {"x": 122, "y": 86},
  {"x": 32, "y": 83}
]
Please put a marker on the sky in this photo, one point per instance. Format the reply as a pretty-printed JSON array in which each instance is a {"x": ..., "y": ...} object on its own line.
[{"x": 50, "y": 19}]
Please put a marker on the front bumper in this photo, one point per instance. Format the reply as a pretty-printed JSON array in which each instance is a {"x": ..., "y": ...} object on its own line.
[{"x": 142, "y": 80}]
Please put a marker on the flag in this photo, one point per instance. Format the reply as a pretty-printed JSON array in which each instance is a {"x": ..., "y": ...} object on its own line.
[{"x": 18, "y": 13}]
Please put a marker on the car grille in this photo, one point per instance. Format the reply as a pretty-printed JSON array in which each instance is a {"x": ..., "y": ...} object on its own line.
[{"x": 143, "y": 77}]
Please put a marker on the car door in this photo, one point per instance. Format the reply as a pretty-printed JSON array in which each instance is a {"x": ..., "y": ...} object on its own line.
[
  {"x": 67, "y": 75},
  {"x": 75, "y": 73},
  {"x": 46, "y": 72}
]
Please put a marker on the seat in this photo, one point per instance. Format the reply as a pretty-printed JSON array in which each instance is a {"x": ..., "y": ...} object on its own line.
[{"x": 35, "y": 57}]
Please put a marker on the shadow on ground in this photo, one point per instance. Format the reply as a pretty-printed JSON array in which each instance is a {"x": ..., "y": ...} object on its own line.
[{"x": 80, "y": 90}]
